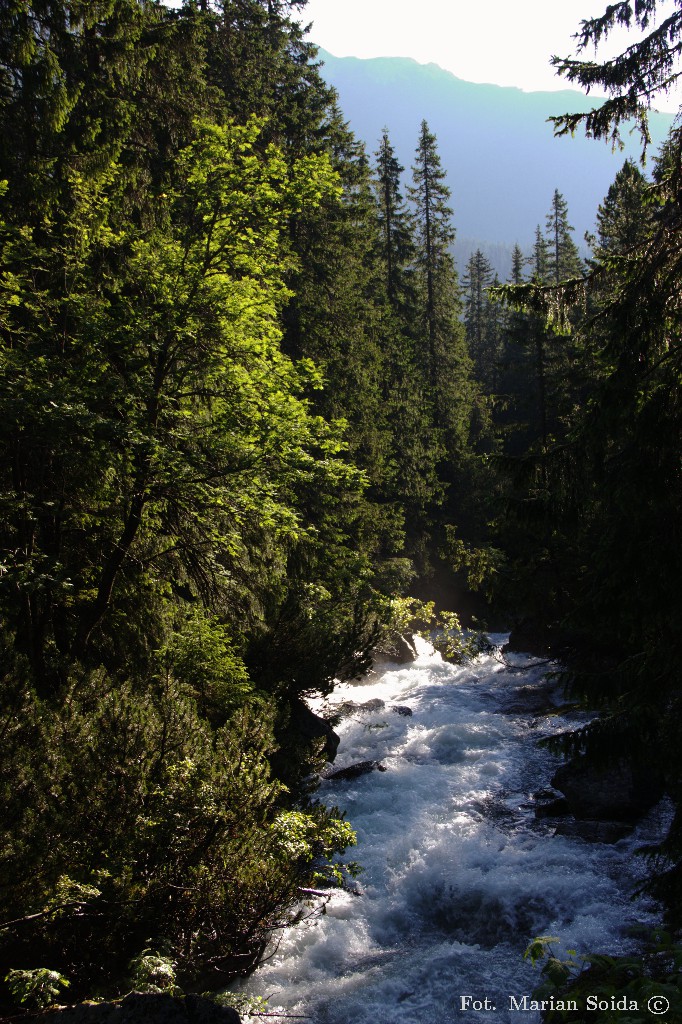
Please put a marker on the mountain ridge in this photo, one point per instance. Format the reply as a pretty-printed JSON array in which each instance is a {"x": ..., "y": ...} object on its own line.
[{"x": 502, "y": 159}]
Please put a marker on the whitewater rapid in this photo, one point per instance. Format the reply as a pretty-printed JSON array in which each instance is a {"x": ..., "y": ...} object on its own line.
[{"x": 458, "y": 874}]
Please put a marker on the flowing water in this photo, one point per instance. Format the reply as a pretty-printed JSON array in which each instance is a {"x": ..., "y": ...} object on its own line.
[{"x": 458, "y": 873}]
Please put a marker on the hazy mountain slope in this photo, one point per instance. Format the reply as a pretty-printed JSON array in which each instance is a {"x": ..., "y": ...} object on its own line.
[{"x": 502, "y": 160}]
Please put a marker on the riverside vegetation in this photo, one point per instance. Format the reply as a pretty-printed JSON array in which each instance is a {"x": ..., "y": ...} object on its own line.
[{"x": 246, "y": 407}]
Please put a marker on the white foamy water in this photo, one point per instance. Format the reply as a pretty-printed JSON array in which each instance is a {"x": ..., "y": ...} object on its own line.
[{"x": 458, "y": 875}]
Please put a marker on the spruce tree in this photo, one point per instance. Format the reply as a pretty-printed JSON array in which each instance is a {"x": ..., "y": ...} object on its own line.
[
  {"x": 517, "y": 397},
  {"x": 621, "y": 486},
  {"x": 435, "y": 234},
  {"x": 445, "y": 356},
  {"x": 562, "y": 253},
  {"x": 480, "y": 320},
  {"x": 397, "y": 244},
  {"x": 415, "y": 443},
  {"x": 623, "y": 220},
  {"x": 540, "y": 269},
  {"x": 614, "y": 485},
  {"x": 632, "y": 78}
]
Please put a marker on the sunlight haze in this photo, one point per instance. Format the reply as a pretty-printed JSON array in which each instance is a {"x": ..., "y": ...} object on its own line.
[{"x": 497, "y": 42}]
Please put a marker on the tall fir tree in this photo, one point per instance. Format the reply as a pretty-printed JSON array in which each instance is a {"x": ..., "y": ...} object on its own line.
[
  {"x": 621, "y": 489},
  {"x": 517, "y": 402},
  {"x": 562, "y": 252},
  {"x": 397, "y": 248},
  {"x": 623, "y": 219},
  {"x": 538, "y": 336},
  {"x": 435, "y": 234},
  {"x": 480, "y": 320},
  {"x": 445, "y": 354},
  {"x": 415, "y": 442}
]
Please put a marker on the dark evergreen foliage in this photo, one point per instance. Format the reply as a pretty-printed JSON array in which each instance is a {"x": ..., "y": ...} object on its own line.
[
  {"x": 631, "y": 79},
  {"x": 603, "y": 498},
  {"x": 624, "y": 218}
]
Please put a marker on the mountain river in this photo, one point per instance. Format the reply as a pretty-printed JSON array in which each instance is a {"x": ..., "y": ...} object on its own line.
[{"x": 458, "y": 874}]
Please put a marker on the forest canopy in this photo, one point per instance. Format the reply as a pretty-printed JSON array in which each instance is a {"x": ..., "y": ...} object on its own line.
[{"x": 249, "y": 415}]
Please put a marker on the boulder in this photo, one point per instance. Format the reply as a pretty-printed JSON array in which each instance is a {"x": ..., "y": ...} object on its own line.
[
  {"x": 149, "y": 1008},
  {"x": 311, "y": 727},
  {"x": 615, "y": 790},
  {"x": 401, "y": 709},
  {"x": 351, "y": 707},
  {"x": 555, "y": 808},
  {"x": 395, "y": 648},
  {"x": 354, "y": 771},
  {"x": 594, "y": 831}
]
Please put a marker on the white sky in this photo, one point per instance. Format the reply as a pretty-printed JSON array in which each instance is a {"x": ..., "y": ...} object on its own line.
[{"x": 504, "y": 42}]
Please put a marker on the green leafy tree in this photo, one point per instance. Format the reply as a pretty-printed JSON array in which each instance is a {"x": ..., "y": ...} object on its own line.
[
  {"x": 155, "y": 376},
  {"x": 170, "y": 504}
]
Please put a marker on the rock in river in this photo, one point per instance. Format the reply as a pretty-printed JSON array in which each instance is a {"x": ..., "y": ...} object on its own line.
[{"x": 354, "y": 771}]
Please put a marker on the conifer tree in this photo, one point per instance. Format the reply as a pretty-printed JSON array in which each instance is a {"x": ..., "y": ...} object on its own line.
[
  {"x": 631, "y": 79},
  {"x": 435, "y": 234},
  {"x": 567, "y": 363},
  {"x": 517, "y": 392},
  {"x": 518, "y": 262},
  {"x": 562, "y": 253},
  {"x": 447, "y": 361},
  {"x": 621, "y": 480},
  {"x": 480, "y": 320},
  {"x": 623, "y": 220},
  {"x": 397, "y": 245},
  {"x": 540, "y": 268},
  {"x": 415, "y": 444},
  {"x": 260, "y": 63}
]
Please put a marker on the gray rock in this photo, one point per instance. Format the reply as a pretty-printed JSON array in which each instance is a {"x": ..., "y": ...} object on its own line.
[
  {"x": 149, "y": 1008},
  {"x": 354, "y": 771},
  {"x": 613, "y": 791},
  {"x": 401, "y": 709},
  {"x": 351, "y": 707}
]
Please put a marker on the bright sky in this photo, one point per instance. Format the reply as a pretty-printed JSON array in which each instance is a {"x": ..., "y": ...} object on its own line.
[{"x": 505, "y": 42}]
